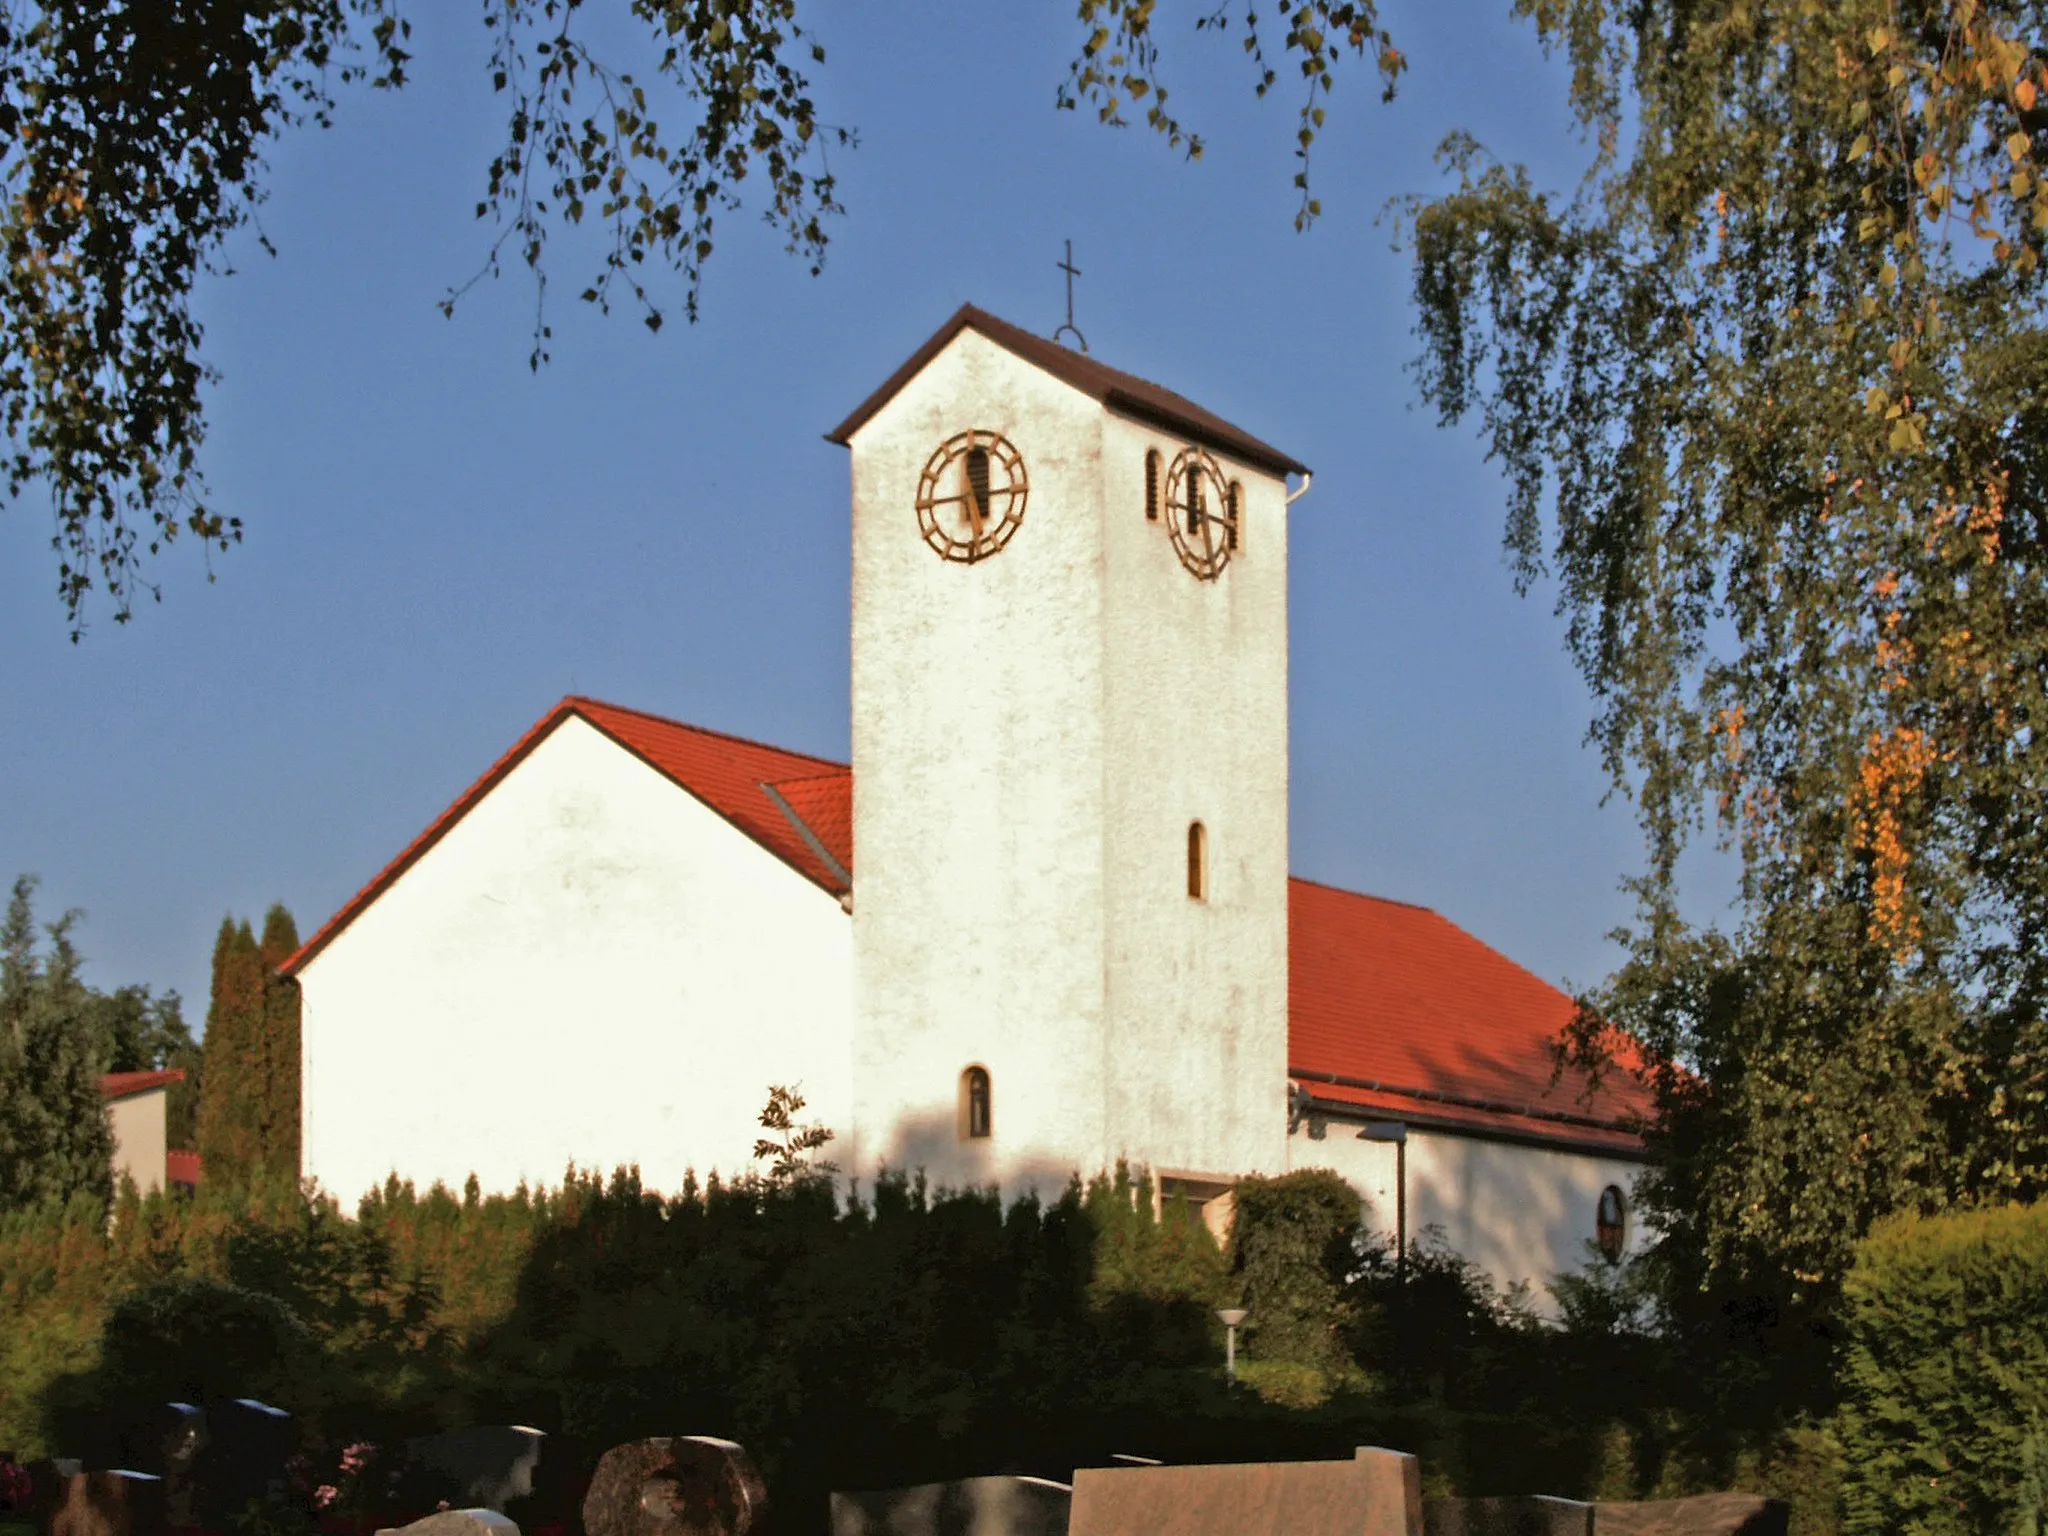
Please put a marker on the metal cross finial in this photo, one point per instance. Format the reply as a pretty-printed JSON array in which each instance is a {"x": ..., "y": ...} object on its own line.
[{"x": 1072, "y": 272}]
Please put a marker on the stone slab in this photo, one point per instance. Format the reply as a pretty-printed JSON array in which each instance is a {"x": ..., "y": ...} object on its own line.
[
  {"x": 681, "y": 1485},
  {"x": 1523, "y": 1515},
  {"x": 972, "y": 1506},
  {"x": 1270, "y": 1498},
  {"x": 114, "y": 1503},
  {"x": 485, "y": 1466},
  {"x": 1708, "y": 1514},
  {"x": 1403, "y": 1476},
  {"x": 457, "y": 1522}
]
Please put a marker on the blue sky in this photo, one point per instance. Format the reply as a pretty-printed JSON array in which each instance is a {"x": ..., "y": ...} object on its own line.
[{"x": 440, "y": 544}]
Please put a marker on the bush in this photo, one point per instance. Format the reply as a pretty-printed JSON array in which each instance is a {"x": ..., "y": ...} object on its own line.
[
  {"x": 1293, "y": 1246},
  {"x": 1944, "y": 1423}
]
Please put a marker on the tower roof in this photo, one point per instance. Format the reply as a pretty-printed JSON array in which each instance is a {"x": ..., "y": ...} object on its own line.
[{"x": 1124, "y": 393}]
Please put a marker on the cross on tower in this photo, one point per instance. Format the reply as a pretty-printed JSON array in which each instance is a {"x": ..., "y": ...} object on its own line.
[{"x": 1072, "y": 272}]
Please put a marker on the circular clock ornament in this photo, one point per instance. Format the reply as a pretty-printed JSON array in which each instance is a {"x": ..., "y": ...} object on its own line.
[
  {"x": 1200, "y": 514},
  {"x": 970, "y": 499}
]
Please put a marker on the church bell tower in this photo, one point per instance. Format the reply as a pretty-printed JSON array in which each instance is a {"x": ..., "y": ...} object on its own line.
[{"x": 1070, "y": 773}]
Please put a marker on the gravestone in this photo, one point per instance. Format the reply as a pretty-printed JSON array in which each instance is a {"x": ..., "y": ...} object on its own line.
[
  {"x": 108, "y": 1504},
  {"x": 457, "y": 1522},
  {"x": 681, "y": 1485},
  {"x": 164, "y": 1440},
  {"x": 1524, "y": 1515},
  {"x": 972, "y": 1506},
  {"x": 241, "y": 1461},
  {"x": 484, "y": 1467},
  {"x": 1708, "y": 1514},
  {"x": 1396, "y": 1469},
  {"x": 1366, "y": 1496}
]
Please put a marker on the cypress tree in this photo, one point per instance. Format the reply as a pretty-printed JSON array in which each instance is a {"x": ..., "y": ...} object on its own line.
[
  {"x": 230, "y": 1120},
  {"x": 279, "y": 1098},
  {"x": 56, "y": 1140}
]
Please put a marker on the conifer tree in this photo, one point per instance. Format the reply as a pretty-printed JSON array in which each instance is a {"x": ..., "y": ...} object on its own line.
[
  {"x": 230, "y": 1135},
  {"x": 279, "y": 1098},
  {"x": 55, "y": 1137}
]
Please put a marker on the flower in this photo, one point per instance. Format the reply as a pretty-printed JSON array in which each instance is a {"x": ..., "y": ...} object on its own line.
[{"x": 325, "y": 1495}]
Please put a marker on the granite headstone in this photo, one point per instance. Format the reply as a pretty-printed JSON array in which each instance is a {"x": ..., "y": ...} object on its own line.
[
  {"x": 457, "y": 1522},
  {"x": 117, "y": 1503},
  {"x": 972, "y": 1506},
  {"x": 681, "y": 1485},
  {"x": 1523, "y": 1515},
  {"x": 1708, "y": 1514},
  {"x": 483, "y": 1467},
  {"x": 243, "y": 1460},
  {"x": 1366, "y": 1496}
]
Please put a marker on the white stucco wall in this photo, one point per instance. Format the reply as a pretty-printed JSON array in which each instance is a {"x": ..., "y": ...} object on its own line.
[
  {"x": 1195, "y": 726},
  {"x": 593, "y": 967},
  {"x": 140, "y": 1138},
  {"x": 1031, "y": 736},
  {"x": 1524, "y": 1214},
  {"x": 978, "y": 911}
]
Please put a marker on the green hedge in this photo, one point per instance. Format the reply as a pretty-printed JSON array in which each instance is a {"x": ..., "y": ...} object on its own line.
[{"x": 1944, "y": 1424}]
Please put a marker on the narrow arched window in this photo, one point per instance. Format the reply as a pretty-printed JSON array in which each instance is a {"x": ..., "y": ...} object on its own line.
[
  {"x": 1151, "y": 485},
  {"x": 1233, "y": 506},
  {"x": 1198, "y": 861},
  {"x": 1610, "y": 1223},
  {"x": 1197, "y": 502},
  {"x": 977, "y": 1108}
]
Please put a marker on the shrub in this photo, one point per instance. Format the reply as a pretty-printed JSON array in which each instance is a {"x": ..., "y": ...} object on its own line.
[
  {"x": 1944, "y": 1423},
  {"x": 1293, "y": 1248}
]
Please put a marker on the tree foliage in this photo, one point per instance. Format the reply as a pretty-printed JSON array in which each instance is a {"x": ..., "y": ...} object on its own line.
[
  {"x": 56, "y": 1142},
  {"x": 132, "y": 136},
  {"x": 248, "y": 1120},
  {"x": 1767, "y": 391},
  {"x": 132, "y": 144}
]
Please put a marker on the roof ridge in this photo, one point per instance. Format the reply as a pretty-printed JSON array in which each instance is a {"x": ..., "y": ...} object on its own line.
[
  {"x": 843, "y": 771},
  {"x": 579, "y": 701},
  {"x": 1392, "y": 901}
]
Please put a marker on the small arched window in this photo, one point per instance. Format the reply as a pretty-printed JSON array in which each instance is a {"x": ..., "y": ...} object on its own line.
[
  {"x": 977, "y": 1108},
  {"x": 1151, "y": 485},
  {"x": 1233, "y": 505},
  {"x": 1610, "y": 1223},
  {"x": 1198, "y": 506},
  {"x": 1198, "y": 861}
]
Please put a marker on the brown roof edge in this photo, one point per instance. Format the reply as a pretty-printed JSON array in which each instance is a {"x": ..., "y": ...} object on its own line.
[{"x": 1124, "y": 393}]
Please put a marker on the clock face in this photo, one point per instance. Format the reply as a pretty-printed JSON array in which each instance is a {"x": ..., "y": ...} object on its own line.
[
  {"x": 1201, "y": 514},
  {"x": 970, "y": 499}
]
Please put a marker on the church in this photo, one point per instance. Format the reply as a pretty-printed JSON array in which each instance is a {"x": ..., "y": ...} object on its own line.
[{"x": 1041, "y": 923}]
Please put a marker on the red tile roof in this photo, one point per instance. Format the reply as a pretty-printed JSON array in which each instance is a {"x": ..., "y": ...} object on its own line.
[
  {"x": 123, "y": 1085},
  {"x": 187, "y": 1168},
  {"x": 1394, "y": 1011},
  {"x": 727, "y": 773},
  {"x": 1124, "y": 393}
]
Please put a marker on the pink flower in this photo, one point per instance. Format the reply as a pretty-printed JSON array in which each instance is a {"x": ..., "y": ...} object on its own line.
[
  {"x": 355, "y": 1457},
  {"x": 325, "y": 1495}
]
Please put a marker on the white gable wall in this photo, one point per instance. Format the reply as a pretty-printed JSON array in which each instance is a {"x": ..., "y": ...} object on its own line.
[
  {"x": 1524, "y": 1214},
  {"x": 140, "y": 1122},
  {"x": 591, "y": 966}
]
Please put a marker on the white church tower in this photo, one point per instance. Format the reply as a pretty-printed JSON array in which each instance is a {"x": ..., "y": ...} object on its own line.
[{"x": 1070, "y": 773}]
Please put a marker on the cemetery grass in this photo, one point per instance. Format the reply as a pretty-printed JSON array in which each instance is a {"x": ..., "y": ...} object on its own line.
[{"x": 914, "y": 1336}]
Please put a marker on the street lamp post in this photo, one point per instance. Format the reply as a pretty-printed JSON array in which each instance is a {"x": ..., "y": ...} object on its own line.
[
  {"x": 1231, "y": 1317},
  {"x": 1396, "y": 1132}
]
